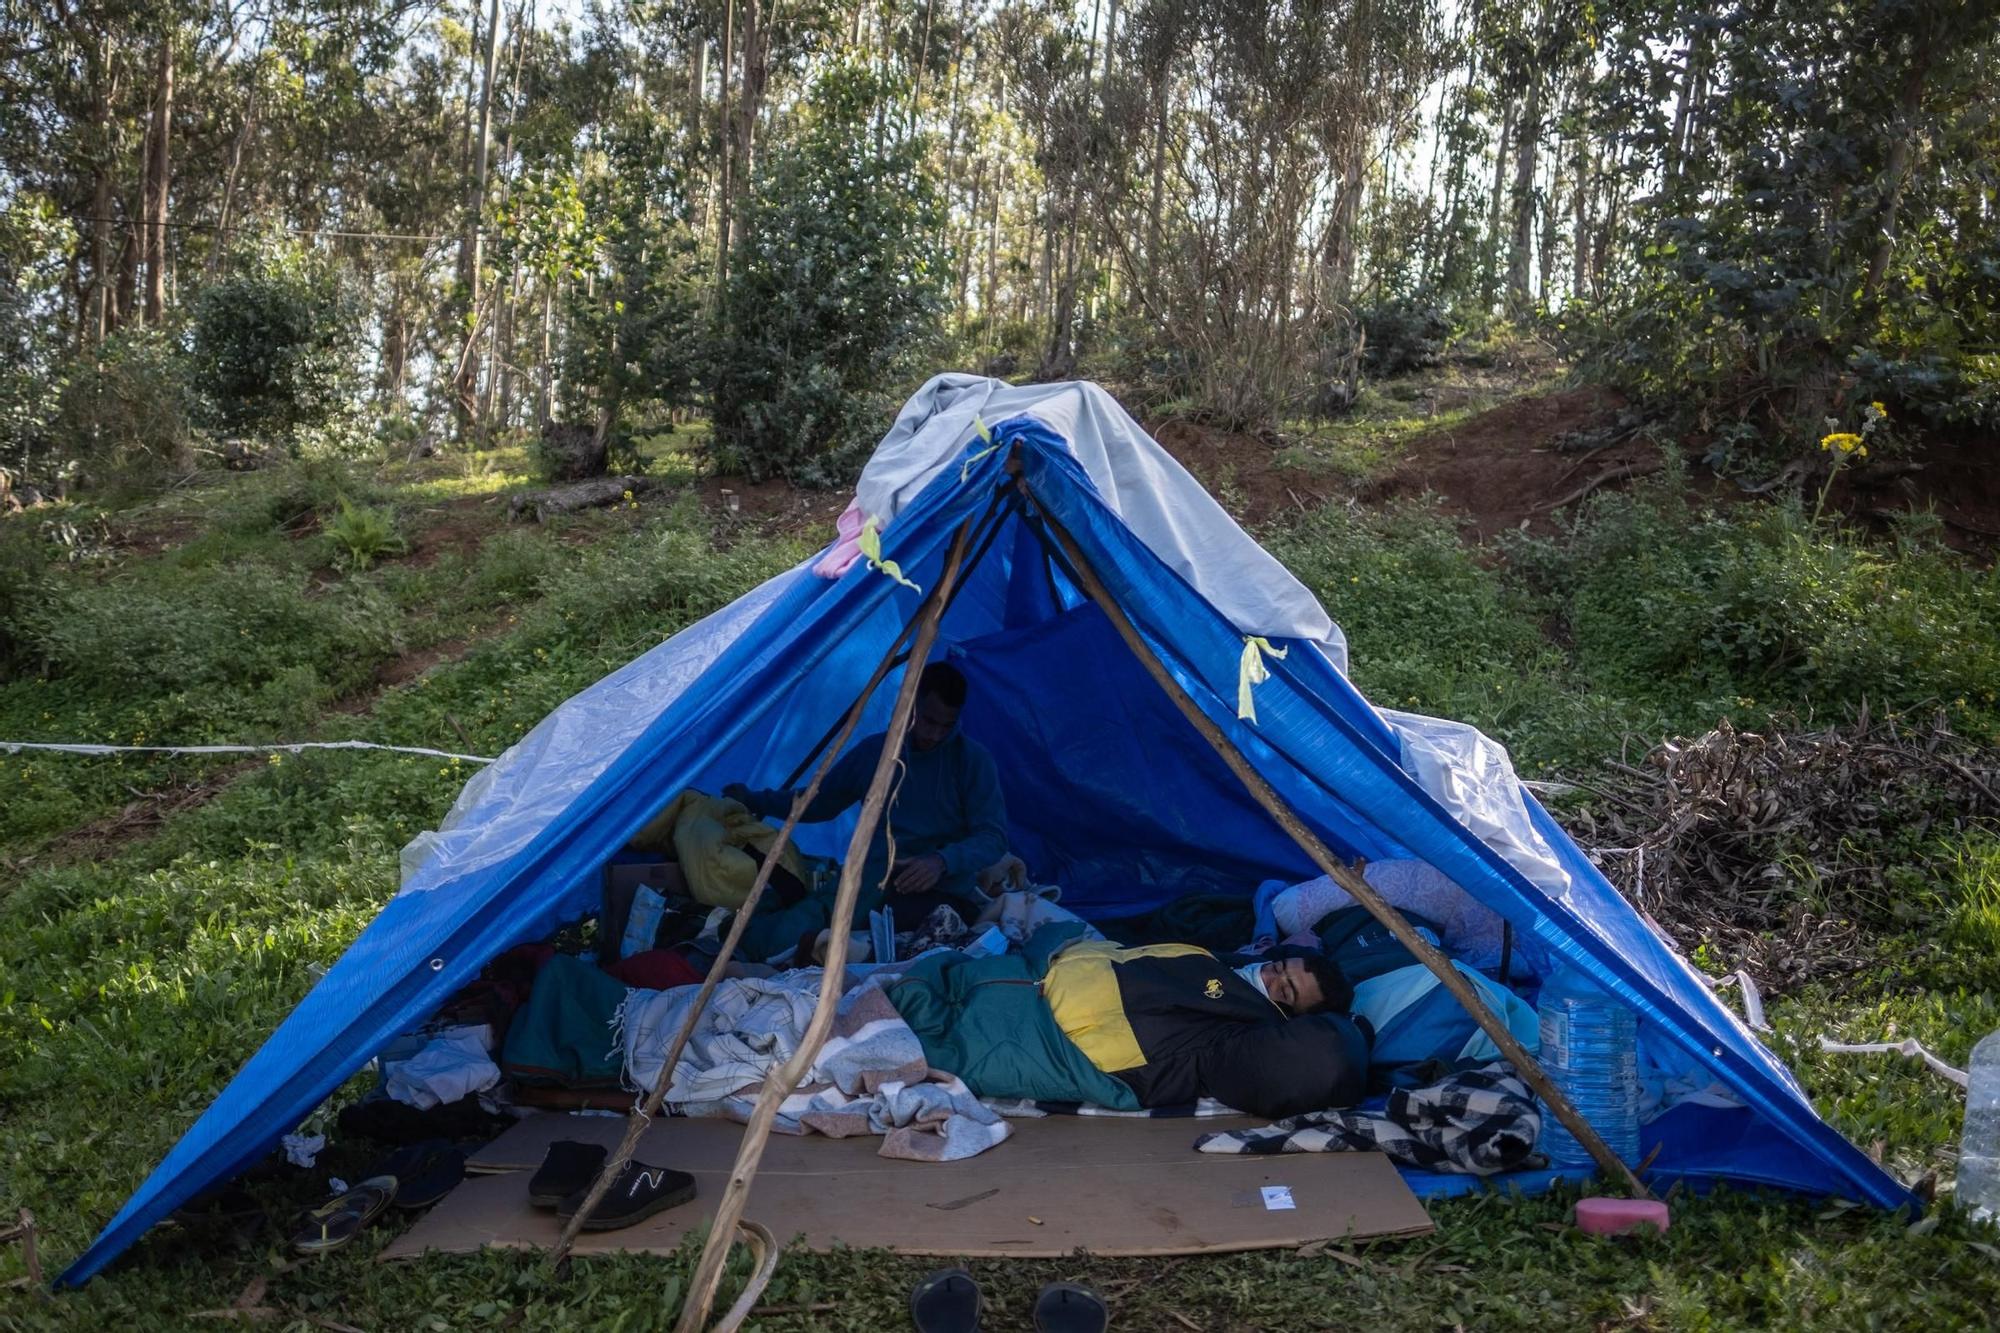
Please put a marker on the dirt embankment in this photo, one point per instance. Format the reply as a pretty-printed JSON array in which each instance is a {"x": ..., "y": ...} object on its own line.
[{"x": 1523, "y": 462}]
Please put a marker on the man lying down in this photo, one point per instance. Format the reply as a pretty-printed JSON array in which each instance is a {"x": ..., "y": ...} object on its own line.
[{"x": 1073, "y": 1019}]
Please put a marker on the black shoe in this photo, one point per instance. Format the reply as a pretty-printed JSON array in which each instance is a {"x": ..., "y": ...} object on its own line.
[
  {"x": 638, "y": 1193},
  {"x": 424, "y": 1172},
  {"x": 570, "y": 1166}
]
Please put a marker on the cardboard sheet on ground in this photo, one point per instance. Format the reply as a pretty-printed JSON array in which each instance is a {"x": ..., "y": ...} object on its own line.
[{"x": 1066, "y": 1183}]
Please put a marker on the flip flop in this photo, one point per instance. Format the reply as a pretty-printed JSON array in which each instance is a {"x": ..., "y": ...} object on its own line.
[
  {"x": 338, "y": 1221},
  {"x": 424, "y": 1172},
  {"x": 947, "y": 1301},
  {"x": 1070, "y": 1307}
]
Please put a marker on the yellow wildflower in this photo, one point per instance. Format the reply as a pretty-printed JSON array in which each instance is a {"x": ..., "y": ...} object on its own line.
[{"x": 1845, "y": 441}]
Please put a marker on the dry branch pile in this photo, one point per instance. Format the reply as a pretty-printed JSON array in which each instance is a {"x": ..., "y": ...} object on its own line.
[{"x": 1780, "y": 850}]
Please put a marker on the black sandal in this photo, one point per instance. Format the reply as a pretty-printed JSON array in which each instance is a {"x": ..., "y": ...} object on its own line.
[
  {"x": 1070, "y": 1307},
  {"x": 947, "y": 1301}
]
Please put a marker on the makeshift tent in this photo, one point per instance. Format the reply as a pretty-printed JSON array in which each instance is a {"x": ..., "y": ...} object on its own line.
[{"x": 1110, "y": 791}]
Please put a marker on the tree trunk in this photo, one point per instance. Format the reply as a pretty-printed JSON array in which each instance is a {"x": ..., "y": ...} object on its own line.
[
  {"x": 922, "y": 62},
  {"x": 545, "y": 390},
  {"x": 1490, "y": 276},
  {"x": 102, "y": 301},
  {"x": 1908, "y": 104},
  {"x": 1159, "y": 169},
  {"x": 756, "y": 69},
  {"x": 466, "y": 393},
  {"x": 1580, "y": 216},
  {"x": 723, "y": 174},
  {"x": 1342, "y": 227},
  {"x": 128, "y": 267},
  {"x": 1527, "y": 136},
  {"x": 158, "y": 165},
  {"x": 1691, "y": 78},
  {"x": 243, "y": 132}
]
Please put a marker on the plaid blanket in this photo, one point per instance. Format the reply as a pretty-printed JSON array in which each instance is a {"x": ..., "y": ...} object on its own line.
[{"x": 1479, "y": 1122}]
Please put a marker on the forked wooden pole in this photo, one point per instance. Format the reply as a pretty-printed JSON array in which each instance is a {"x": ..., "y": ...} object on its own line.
[
  {"x": 641, "y": 1116},
  {"x": 1364, "y": 893},
  {"x": 779, "y": 1082}
]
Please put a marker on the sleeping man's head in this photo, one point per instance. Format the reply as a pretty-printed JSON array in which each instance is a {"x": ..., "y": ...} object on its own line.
[{"x": 1307, "y": 985}]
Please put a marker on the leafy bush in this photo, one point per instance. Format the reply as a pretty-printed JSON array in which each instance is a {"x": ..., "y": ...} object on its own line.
[
  {"x": 634, "y": 351},
  {"x": 510, "y": 567},
  {"x": 303, "y": 489},
  {"x": 239, "y": 627},
  {"x": 24, "y": 561},
  {"x": 126, "y": 409},
  {"x": 275, "y": 346},
  {"x": 1762, "y": 605},
  {"x": 836, "y": 290},
  {"x": 1401, "y": 335},
  {"x": 363, "y": 534},
  {"x": 35, "y": 242}
]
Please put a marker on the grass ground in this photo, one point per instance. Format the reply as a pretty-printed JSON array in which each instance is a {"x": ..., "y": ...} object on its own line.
[{"x": 142, "y": 961}]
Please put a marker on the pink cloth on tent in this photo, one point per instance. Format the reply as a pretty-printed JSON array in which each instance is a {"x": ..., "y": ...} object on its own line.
[{"x": 846, "y": 550}]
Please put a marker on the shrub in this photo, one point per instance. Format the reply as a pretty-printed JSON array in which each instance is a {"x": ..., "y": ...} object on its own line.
[
  {"x": 835, "y": 292},
  {"x": 1761, "y": 604},
  {"x": 125, "y": 412},
  {"x": 275, "y": 346},
  {"x": 239, "y": 627},
  {"x": 1401, "y": 335}
]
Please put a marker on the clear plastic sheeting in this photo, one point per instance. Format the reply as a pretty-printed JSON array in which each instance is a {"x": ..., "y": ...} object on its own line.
[
  {"x": 1469, "y": 774},
  {"x": 510, "y": 801},
  {"x": 1164, "y": 506}
]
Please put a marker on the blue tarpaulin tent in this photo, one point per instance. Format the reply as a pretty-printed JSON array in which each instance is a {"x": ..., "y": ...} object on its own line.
[{"x": 1110, "y": 791}]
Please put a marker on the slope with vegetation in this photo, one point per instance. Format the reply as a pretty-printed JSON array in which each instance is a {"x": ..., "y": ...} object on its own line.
[{"x": 143, "y": 964}]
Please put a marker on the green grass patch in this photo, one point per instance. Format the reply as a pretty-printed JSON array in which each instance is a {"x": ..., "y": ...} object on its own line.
[{"x": 133, "y": 985}]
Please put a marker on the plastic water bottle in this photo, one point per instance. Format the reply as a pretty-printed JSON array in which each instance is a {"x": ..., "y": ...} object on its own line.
[
  {"x": 1590, "y": 1048},
  {"x": 1979, "y": 1145}
]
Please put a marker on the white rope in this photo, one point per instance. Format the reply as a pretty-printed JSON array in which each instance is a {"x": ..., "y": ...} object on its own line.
[
  {"x": 289, "y": 747},
  {"x": 1909, "y": 1046}
]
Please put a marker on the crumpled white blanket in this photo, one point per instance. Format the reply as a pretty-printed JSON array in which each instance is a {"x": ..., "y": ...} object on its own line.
[
  {"x": 447, "y": 1068},
  {"x": 750, "y": 1024},
  {"x": 869, "y": 1077}
]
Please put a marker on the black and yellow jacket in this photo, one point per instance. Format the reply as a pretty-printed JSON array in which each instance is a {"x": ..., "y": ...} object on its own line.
[{"x": 1175, "y": 1023}]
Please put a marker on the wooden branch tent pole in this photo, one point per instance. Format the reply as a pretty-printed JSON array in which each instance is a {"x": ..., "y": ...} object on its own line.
[
  {"x": 642, "y": 1115},
  {"x": 1364, "y": 893},
  {"x": 779, "y": 1082}
]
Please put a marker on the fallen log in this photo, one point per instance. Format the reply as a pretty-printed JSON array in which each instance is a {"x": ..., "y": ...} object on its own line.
[{"x": 593, "y": 494}]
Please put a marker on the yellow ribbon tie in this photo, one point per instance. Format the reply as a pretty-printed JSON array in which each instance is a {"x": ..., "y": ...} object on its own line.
[
  {"x": 965, "y": 472},
  {"x": 1251, "y": 672},
  {"x": 870, "y": 542}
]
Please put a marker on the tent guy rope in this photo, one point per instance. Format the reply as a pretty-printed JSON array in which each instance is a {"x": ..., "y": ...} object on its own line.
[{"x": 276, "y": 747}]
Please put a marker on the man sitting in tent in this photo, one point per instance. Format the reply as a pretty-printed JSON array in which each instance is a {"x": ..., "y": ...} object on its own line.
[
  {"x": 945, "y": 817},
  {"x": 1069, "y": 1019}
]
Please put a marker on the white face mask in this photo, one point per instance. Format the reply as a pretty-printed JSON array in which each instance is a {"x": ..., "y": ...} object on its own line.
[{"x": 1254, "y": 974}]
